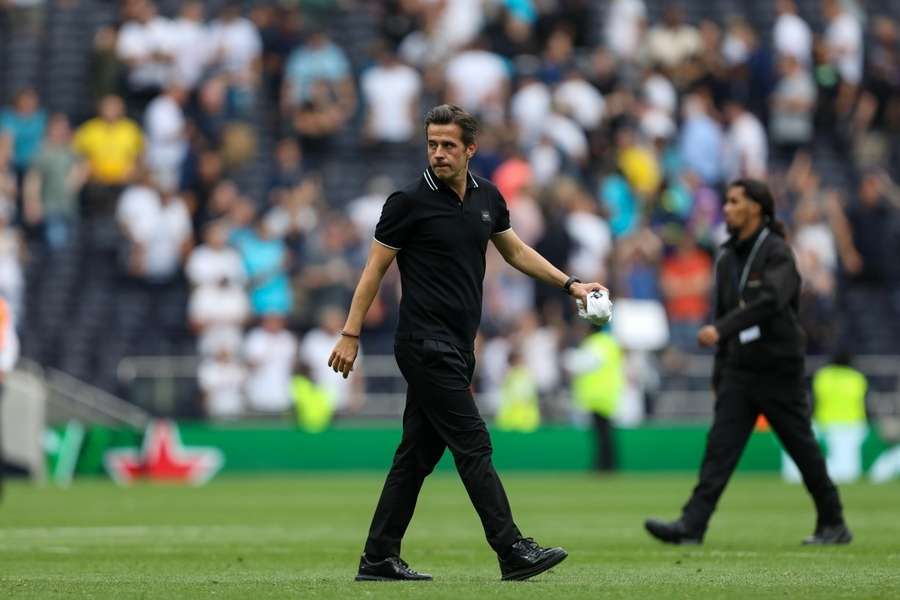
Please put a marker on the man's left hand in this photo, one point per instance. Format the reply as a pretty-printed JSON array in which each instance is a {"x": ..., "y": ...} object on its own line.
[{"x": 708, "y": 335}]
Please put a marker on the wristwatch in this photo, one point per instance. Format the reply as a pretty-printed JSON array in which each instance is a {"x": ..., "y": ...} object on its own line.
[{"x": 569, "y": 282}]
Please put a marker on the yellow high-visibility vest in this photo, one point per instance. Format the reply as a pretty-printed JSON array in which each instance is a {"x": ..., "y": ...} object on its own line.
[
  {"x": 519, "y": 409},
  {"x": 840, "y": 395},
  {"x": 598, "y": 390},
  {"x": 314, "y": 407}
]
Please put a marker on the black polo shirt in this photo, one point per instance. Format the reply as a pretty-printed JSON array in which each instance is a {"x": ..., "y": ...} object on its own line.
[{"x": 441, "y": 243}]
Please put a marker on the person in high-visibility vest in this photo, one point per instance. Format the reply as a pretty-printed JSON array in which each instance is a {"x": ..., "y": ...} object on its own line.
[
  {"x": 839, "y": 393},
  {"x": 313, "y": 403},
  {"x": 519, "y": 409},
  {"x": 9, "y": 354},
  {"x": 598, "y": 378}
]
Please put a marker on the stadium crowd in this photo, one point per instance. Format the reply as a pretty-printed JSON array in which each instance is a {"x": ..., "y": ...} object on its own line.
[{"x": 612, "y": 157}]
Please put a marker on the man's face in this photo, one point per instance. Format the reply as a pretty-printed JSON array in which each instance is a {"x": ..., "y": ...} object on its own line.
[
  {"x": 447, "y": 155},
  {"x": 739, "y": 210}
]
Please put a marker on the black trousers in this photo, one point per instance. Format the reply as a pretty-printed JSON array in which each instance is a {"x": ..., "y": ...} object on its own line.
[
  {"x": 604, "y": 448},
  {"x": 740, "y": 398},
  {"x": 440, "y": 413}
]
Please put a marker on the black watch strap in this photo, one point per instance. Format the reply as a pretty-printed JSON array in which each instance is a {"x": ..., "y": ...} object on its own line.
[{"x": 569, "y": 282}]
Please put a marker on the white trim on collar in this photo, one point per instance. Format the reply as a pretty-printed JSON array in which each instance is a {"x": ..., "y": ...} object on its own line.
[{"x": 430, "y": 181}]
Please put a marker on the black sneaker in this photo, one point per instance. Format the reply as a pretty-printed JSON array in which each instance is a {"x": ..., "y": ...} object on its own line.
[
  {"x": 829, "y": 535},
  {"x": 674, "y": 532},
  {"x": 392, "y": 568},
  {"x": 527, "y": 559}
]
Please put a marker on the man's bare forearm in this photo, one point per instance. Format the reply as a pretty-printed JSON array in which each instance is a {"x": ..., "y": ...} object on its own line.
[
  {"x": 365, "y": 293},
  {"x": 529, "y": 261}
]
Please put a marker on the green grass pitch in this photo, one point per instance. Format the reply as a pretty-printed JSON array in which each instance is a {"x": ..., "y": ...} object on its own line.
[{"x": 300, "y": 537}]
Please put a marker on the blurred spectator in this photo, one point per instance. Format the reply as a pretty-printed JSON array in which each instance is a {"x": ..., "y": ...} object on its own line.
[
  {"x": 558, "y": 56},
  {"x": 270, "y": 351},
  {"x": 53, "y": 183},
  {"x": 702, "y": 143},
  {"x": 686, "y": 281},
  {"x": 214, "y": 260},
  {"x": 235, "y": 53},
  {"x": 104, "y": 66},
  {"x": 540, "y": 346},
  {"x": 157, "y": 228},
  {"x": 8, "y": 185},
  {"x": 671, "y": 43},
  {"x": 478, "y": 80},
  {"x": 217, "y": 312},
  {"x": 25, "y": 121},
  {"x": 318, "y": 61},
  {"x": 165, "y": 135},
  {"x": 529, "y": 106},
  {"x": 12, "y": 255},
  {"x": 511, "y": 33},
  {"x": 638, "y": 162},
  {"x": 112, "y": 144},
  {"x": 289, "y": 170},
  {"x": 144, "y": 46},
  {"x": 519, "y": 409},
  {"x": 577, "y": 98},
  {"x": 390, "y": 90},
  {"x": 317, "y": 121},
  {"x": 792, "y": 35},
  {"x": 598, "y": 369},
  {"x": 748, "y": 148},
  {"x": 590, "y": 233},
  {"x": 266, "y": 261},
  {"x": 191, "y": 43},
  {"x": 792, "y": 106},
  {"x": 624, "y": 27},
  {"x": 876, "y": 118},
  {"x": 844, "y": 40},
  {"x": 365, "y": 210},
  {"x": 870, "y": 253},
  {"x": 620, "y": 203},
  {"x": 330, "y": 262},
  {"x": 344, "y": 396},
  {"x": 221, "y": 379}
]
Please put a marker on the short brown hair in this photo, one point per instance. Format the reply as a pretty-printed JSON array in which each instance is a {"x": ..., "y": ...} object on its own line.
[{"x": 447, "y": 114}]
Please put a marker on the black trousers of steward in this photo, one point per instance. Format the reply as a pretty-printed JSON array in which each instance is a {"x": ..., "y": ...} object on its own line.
[
  {"x": 740, "y": 398},
  {"x": 440, "y": 413}
]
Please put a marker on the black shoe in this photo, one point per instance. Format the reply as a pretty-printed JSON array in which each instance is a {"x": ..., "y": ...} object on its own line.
[
  {"x": 527, "y": 559},
  {"x": 674, "y": 532},
  {"x": 829, "y": 535},
  {"x": 392, "y": 568}
]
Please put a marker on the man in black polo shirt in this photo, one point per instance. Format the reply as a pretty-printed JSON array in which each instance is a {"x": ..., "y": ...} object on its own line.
[{"x": 438, "y": 228}]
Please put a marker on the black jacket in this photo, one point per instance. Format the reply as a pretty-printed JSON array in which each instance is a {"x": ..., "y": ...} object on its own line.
[{"x": 769, "y": 300}]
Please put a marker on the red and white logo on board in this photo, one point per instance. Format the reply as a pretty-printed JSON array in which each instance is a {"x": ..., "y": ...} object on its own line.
[{"x": 162, "y": 457}]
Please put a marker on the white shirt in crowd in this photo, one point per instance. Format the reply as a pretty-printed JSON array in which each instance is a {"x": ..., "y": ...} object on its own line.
[
  {"x": 670, "y": 47},
  {"x": 529, "y": 106},
  {"x": 165, "y": 138},
  {"x": 579, "y": 99},
  {"x": 316, "y": 344},
  {"x": 270, "y": 357},
  {"x": 845, "y": 47},
  {"x": 207, "y": 265},
  {"x": 477, "y": 79},
  {"x": 748, "y": 147},
  {"x": 236, "y": 43},
  {"x": 817, "y": 239},
  {"x": 793, "y": 37},
  {"x": 140, "y": 42},
  {"x": 391, "y": 93},
  {"x": 222, "y": 380},
  {"x": 160, "y": 227},
  {"x": 220, "y": 311},
  {"x": 660, "y": 93},
  {"x": 593, "y": 243},
  {"x": 191, "y": 42},
  {"x": 623, "y": 27},
  {"x": 459, "y": 23},
  {"x": 566, "y": 135}
]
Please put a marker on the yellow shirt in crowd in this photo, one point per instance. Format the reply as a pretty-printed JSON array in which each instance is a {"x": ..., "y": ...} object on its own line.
[{"x": 111, "y": 149}]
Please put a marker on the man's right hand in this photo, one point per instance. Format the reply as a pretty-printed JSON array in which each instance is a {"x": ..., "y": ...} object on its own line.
[{"x": 344, "y": 355}]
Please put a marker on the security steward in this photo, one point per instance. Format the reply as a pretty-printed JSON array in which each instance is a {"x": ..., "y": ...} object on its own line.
[
  {"x": 759, "y": 368},
  {"x": 438, "y": 229}
]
